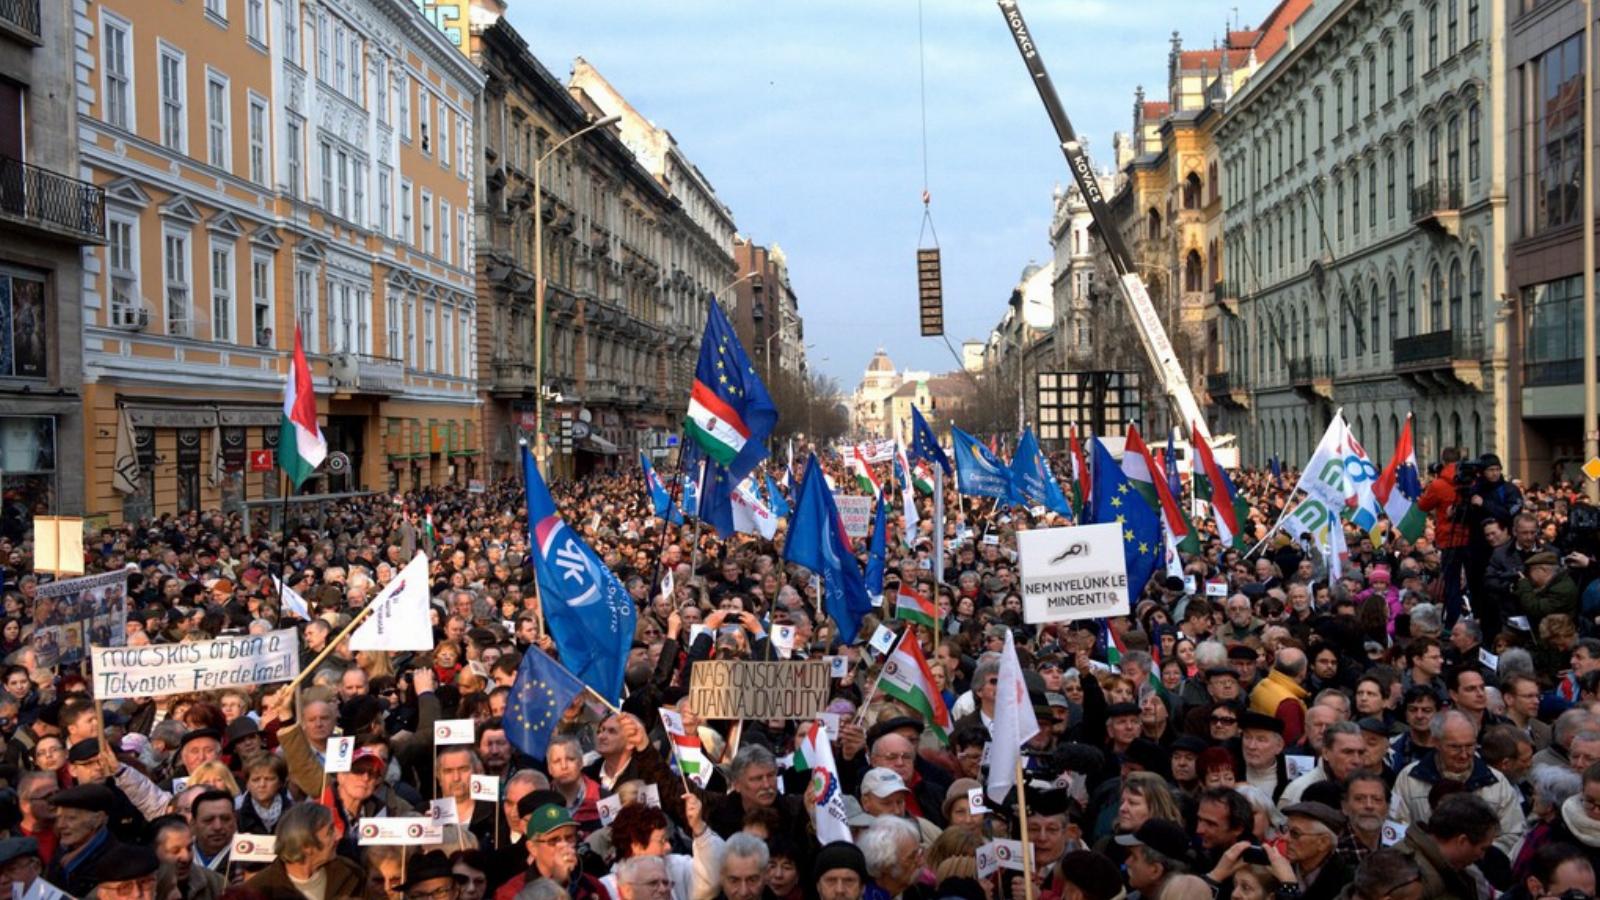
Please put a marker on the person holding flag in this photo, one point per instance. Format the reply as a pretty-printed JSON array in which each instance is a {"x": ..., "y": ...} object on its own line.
[
  {"x": 817, "y": 541},
  {"x": 660, "y": 499}
]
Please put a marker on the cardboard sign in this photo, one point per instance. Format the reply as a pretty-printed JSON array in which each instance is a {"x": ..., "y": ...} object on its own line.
[
  {"x": 341, "y": 751},
  {"x": 453, "y": 731},
  {"x": 609, "y": 807},
  {"x": 882, "y": 640},
  {"x": 443, "y": 811},
  {"x": 1008, "y": 853},
  {"x": 261, "y": 848},
  {"x": 838, "y": 666},
  {"x": 158, "y": 670},
  {"x": 1393, "y": 833},
  {"x": 988, "y": 863},
  {"x": 738, "y": 689},
  {"x": 975, "y": 802},
  {"x": 1296, "y": 765},
  {"x": 1070, "y": 573},
  {"x": 485, "y": 787},
  {"x": 398, "y": 831},
  {"x": 855, "y": 513}
]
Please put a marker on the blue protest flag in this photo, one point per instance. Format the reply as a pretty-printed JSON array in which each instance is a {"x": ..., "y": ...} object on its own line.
[
  {"x": 730, "y": 412},
  {"x": 1114, "y": 499},
  {"x": 980, "y": 472},
  {"x": 775, "y": 500},
  {"x": 1034, "y": 479},
  {"x": 1174, "y": 483},
  {"x": 925, "y": 444},
  {"x": 716, "y": 499},
  {"x": 589, "y": 612},
  {"x": 540, "y": 695},
  {"x": 659, "y": 498},
  {"x": 817, "y": 541},
  {"x": 878, "y": 550}
]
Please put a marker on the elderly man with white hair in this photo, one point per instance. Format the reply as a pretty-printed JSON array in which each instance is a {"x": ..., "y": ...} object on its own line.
[
  {"x": 1455, "y": 759},
  {"x": 893, "y": 849}
]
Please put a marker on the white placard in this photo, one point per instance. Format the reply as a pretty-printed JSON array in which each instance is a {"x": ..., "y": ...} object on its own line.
[
  {"x": 38, "y": 890},
  {"x": 882, "y": 640},
  {"x": 157, "y": 670},
  {"x": 991, "y": 540},
  {"x": 180, "y": 783},
  {"x": 695, "y": 631},
  {"x": 341, "y": 752},
  {"x": 975, "y": 802},
  {"x": 1393, "y": 833},
  {"x": 1519, "y": 622},
  {"x": 486, "y": 787},
  {"x": 838, "y": 666},
  {"x": 443, "y": 811},
  {"x": 1489, "y": 660},
  {"x": 1216, "y": 589},
  {"x": 651, "y": 795},
  {"x": 855, "y": 513},
  {"x": 1008, "y": 853},
  {"x": 1074, "y": 572},
  {"x": 609, "y": 807},
  {"x": 988, "y": 863},
  {"x": 453, "y": 731},
  {"x": 398, "y": 831},
  {"x": 783, "y": 637},
  {"x": 1296, "y": 765},
  {"x": 1037, "y": 511},
  {"x": 829, "y": 721},
  {"x": 253, "y": 848},
  {"x": 1190, "y": 585}
]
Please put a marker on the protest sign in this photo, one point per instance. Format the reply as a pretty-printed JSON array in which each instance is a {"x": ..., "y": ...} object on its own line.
[
  {"x": 856, "y": 514},
  {"x": 70, "y": 615},
  {"x": 1009, "y": 854},
  {"x": 1075, "y": 572},
  {"x": 1295, "y": 765},
  {"x": 443, "y": 811},
  {"x": 737, "y": 689},
  {"x": 452, "y": 731},
  {"x": 975, "y": 802},
  {"x": 253, "y": 848},
  {"x": 838, "y": 667},
  {"x": 341, "y": 753},
  {"x": 485, "y": 787},
  {"x": 158, "y": 670},
  {"x": 608, "y": 807},
  {"x": 1393, "y": 832},
  {"x": 399, "y": 831},
  {"x": 988, "y": 864},
  {"x": 882, "y": 640}
]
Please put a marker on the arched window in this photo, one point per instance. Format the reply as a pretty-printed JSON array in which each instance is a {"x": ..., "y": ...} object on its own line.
[
  {"x": 1294, "y": 333},
  {"x": 1305, "y": 326},
  {"x": 1153, "y": 224},
  {"x": 1474, "y": 140},
  {"x": 1344, "y": 326},
  {"x": 1435, "y": 299},
  {"x": 1455, "y": 293},
  {"x": 1374, "y": 319},
  {"x": 1394, "y": 431},
  {"x": 1192, "y": 191},
  {"x": 1438, "y": 437},
  {"x": 1193, "y": 272},
  {"x": 1457, "y": 439},
  {"x": 1475, "y": 293},
  {"x": 1394, "y": 311},
  {"x": 1478, "y": 445},
  {"x": 1411, "y": 303}
]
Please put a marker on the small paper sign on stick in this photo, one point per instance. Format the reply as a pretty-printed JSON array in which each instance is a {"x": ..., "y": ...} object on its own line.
[
  {"x": 443, "y": 811},
  {"x": 829, "y": 721},
  {"x": 975, "y": 802},
  {"x": 485, "y": 787},
  {"x": 1489, "y": 660},
  {"x": 1296, "y": 765},
  {"x": 609, "y": 807},
  {"x": 988, "y": 862},
  {"x": 253, "y": 848},
  {"x": 882, "y": 640},
  {"x": 1520, "y": 623},
  {"x": 341, "y": 750},
  {"x": 838, "y": 666},
  {"x": 453, "y": 731},
  {"x": 1009, "y": 853},
  {"x": 1393, "y": 833},
  {"x": 398, "y": 831}
]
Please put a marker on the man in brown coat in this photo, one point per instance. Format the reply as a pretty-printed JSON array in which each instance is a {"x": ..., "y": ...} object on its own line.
[{"x": 308, "y": 864}]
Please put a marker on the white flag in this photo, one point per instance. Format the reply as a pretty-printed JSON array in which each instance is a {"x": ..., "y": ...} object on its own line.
[
  {"x": 399, "y": 619},
  {"x": 1014, "y": 723},
  {"x": 815, "y": 753},
  {"x": 750, "y": 515},
  {"x": 292, "y": 601},
  {"x": 908, "y": 496},
  {"x": 125, "y": 474}
]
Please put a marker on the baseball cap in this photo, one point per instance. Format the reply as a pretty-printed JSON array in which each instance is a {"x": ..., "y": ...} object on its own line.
[{"x": 883, "y": 783}]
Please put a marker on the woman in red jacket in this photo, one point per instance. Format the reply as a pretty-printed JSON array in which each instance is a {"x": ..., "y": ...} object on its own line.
[{"x": 1450, "y": 533}]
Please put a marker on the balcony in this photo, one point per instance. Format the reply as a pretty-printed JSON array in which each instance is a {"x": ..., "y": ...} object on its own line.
[
  {"x": 1226, "y": 295},
  {"x": 1225, "y": 392},
  {"x": 49, "y": 202},
  {"x": 600, "y": 390},
  {"x": 512, "y": 379},
  {"x": 21, "y": 18},
  {"x": 358, "y": 373},
  {"x": 1436, "y": 205},
  {"x": 1312, "y": 377},
  {"x": 1441, "y": 360}
]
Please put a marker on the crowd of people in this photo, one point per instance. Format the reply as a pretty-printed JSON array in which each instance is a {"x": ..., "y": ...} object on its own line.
[{"x": 1423, "y": 724}]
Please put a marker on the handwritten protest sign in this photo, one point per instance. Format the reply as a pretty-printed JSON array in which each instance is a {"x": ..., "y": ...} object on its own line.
[
  {"x": 162, "y": 669},
  {"x": 855, "y": 513},
  {"x": 1072, "y": 573},
  {"x": 736, "y": 689},
  {"x": 70, "y": 615}
]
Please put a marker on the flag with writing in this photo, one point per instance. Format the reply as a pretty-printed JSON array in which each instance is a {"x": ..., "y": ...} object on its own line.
[{"x": 979, "y": 471}]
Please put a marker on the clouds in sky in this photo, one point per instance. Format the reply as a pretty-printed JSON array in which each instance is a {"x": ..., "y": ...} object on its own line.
[{"x": 805, "y": 116}]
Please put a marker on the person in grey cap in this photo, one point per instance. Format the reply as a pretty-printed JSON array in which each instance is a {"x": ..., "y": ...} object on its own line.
[{"x": 20, "y": 864}]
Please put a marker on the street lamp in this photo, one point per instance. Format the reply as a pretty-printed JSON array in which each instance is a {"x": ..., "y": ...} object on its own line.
[{"x": 542, "y": 448}]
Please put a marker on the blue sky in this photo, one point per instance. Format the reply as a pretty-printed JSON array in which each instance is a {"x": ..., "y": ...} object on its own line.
[{"x": 805, "y": 116}]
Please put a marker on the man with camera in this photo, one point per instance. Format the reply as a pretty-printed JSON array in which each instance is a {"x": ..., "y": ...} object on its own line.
[{"x": 1489, "y": 497}]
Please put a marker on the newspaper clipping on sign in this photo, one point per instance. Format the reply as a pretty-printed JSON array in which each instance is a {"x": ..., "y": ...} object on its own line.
[
  {"x": 1071, "y": 573},
  {"x": 70, "y": 615}
]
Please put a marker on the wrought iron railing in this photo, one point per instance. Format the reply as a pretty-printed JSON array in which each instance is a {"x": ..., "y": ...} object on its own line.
[
  {"x": 51, "y": 200},
  {"x": 1437, "y": 348},
  {"x": 1435, "y": 196},
  {"x": 22, "y": 15}
]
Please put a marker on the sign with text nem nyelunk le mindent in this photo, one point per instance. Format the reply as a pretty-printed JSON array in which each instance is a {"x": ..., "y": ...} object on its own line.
[{"x": 1077, "y": 572}]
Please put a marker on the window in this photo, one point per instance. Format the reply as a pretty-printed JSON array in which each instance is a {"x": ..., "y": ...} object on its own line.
[
  {"x": 1344, "y": 327},
  {"x": 175, "y": 268},
  {"x": 327, "y": 176},
  {"x": 222, "y": 293},
  {"x": 261, "y": 298},
  {"x": 172, "y": 99},
  {"x": 258, "y": 139},
  {"x": 430, "y": 360},
  {"x": 217, "y": 9},
  {"x": 1433, "y": 36},
  {"x": 428, "y": 245},
  {"x": 305, "y": 305},
  {"x": 1553, "y": 351},
  {"x": 324, "y": 44},
  {"x": 217, "y": 120},
  {"x": 122, "y": 267},
  {"x": 1411, "y": 53},
  {"x": 1322, "y": 119},
  {"x": 406, "y": 233},
  {"x": 1472, "y": 22},
  {"x": 1455, "y": 295},
  {"x": 1411, "y": 167},
  {"x": 1433, "y": 154},
  {"x": 295, "y": 164},
  {"x": 1388, "y": 166},
  {"x": 1411, "y": 303},
  {"x": 255, "y": 21},
  {"x": 402, "y": 92},
  {"x": 1338, "y": 105},
  {"x": 446, "y": 246},
  {"x": 355, "y": 86},
  {"x": 1388, "y": 70},
  {"x": 385, "y": 224},
  {"x": 1372, "y": 84},
  {"x": 464, "y": 256},
  {"x": 1394, "y": 310},
  {"x": 291, "y": 31},
  {"x": 466, "y": 333},
  {"x": 461, "y": 145},
  {"x": 339, "y": 62},
  {"x": 114, "y": 48},
  {"x": 1474, "y": 141},
  {"x": 1338, "y": 207},
  {"x": 1557, "y": 155},
  {"x": 1435, "y": 299},
  {"x": 1355, "y": 200},
  {"x": 444, "y": 134},
  {"x": 339, "y": 316},
  {"x": 410, "y": 313},
  {"x": 358, "y": 191},
  {"x": 341, "y": 173},
  {"x": 447, "y": 341},
  {"x": 1355, "y": 94},
  {"x": 391, "y": 320},
  {"x": 1374, "y": 320},
  {"x": 1453, "y": 149},
  {"x": 425, "y": 110},
  {"x": 1451, "y": 26},
  {"x": 1475, "y": 293},
  {"x": 380, "y": 88},
  {"x": 1372, "y": 194}
]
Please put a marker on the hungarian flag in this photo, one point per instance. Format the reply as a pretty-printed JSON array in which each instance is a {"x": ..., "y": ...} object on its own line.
[
  {"x": 920, "y": 478},
  {"x": 913, "y": 607},
  {"x": 1080, "y": 476},
  {"x": 907, "y": 678},
  {"x": 687, "y": 753},
  {"x": 1399, "y": 488},
  {"x": 730, "y": 412},
  {"x": 857, "y": 463},
  {"x": 301, "y": 447},
  {"x": 813, "y": 753},
  {"x": 1151, "y": 484},
  {"x": 1212, "y": 485}
]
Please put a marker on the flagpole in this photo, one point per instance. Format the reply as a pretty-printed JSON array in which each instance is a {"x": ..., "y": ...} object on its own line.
[
  {"x": 328, "y": 650},
  {"x": 666, "y": 521},
  {"x": 283, "y": 558},
  {"x": 1022, "y": 813}
]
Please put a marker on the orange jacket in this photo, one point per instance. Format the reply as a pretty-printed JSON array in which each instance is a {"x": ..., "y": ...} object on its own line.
[{"x": 1439, "y": 500}]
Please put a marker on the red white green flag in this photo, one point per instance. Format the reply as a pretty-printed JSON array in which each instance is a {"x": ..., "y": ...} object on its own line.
[
  {"x": 913, "y": 607},
  {"x": 907, "y": 678},
  {"x": 1212, "y": 485},
  {"x": 686, "y": 749},
  {"x": 301, "y": 447},
  {"x": 858, "y": 466},
  {"x": 1080, "y": 476},
  {"x": 1151, "y": 483}
]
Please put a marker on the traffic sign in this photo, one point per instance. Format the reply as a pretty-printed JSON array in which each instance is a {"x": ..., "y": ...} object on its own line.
[{"x": 1592, "y": 468}]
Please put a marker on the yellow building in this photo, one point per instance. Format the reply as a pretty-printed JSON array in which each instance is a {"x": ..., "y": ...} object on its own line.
[{"x": 271, "y": 166}]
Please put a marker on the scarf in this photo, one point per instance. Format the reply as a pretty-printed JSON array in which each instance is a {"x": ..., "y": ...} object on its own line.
[
  {"x": 1579, "y": 823},
  {"x": 269, "y": 816}
]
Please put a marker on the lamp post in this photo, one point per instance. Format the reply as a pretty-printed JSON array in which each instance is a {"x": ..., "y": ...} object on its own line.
[
  {"x": 542, "y": 447},
  {"x": 1591, "y": 391}
]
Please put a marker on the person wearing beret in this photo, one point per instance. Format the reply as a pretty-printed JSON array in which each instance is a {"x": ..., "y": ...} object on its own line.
[
  {"x": 1546, "y": 588},
  {"x": 82, "y": 814},
  {"x": 431, "y": 877},
  {"x": 130, "y": 872},
  {"x": 89, "y": 765},
  {"x": 1314, "y": 830},
  {"x": 20, "y": 864}
]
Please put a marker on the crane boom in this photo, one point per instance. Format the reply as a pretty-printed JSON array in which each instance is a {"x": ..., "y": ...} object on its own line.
[{"x": 1157, "y": 346}]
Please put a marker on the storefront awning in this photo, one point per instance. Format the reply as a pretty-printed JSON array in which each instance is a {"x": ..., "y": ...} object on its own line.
[{"x": 594, "y": 443}]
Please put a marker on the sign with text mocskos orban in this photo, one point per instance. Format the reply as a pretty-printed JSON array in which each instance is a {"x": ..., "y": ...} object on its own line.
[
  {"x": 1073, "y": 573},
  {"x": 161, "y": 669},
  {"x": 735, "y": 689}
]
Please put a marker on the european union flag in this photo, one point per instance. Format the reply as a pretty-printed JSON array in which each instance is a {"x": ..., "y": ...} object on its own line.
[
  {"x": 716, "y": 499},
  {"x": 590, "y": 614},
  {"x": 778, "y": 503},
  {"x": 924, "y": 443},
  {"x": 1034, "y": 479},
  {"x": 659, "y": 498},
  {"x": 542, "y": 692},
  {"x": 817, "y": 541},
  {"x": 878, "y": 551},
  {"x": 730, "y": 412},
  {"x": 980, "y": 472},
  {"x": 1113, "y": 499}
]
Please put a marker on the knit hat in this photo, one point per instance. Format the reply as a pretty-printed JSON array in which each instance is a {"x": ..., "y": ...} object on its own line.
[
  {"x": 1378, "y": 573},
  {"x": 840, "y": 855}
]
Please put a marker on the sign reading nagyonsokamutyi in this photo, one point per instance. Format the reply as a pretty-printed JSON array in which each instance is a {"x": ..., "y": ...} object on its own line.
[{"x": 744, "y": 689}]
